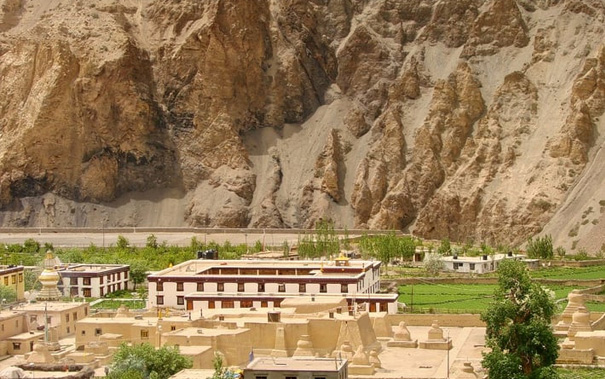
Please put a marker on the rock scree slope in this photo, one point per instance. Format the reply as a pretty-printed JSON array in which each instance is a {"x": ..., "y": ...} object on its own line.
[{"x": 467, "y": 119}]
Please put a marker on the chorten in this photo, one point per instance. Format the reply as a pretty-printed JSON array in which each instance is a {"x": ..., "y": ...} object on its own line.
[{"x": 49, "y": 279}]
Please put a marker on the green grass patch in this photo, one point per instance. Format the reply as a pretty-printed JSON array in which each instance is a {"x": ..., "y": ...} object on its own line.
[
  {"x": 581, "y": 373},
  {"x": 115, "y": 304},
  {"x": 472, "y": 298},
  {"x": 592, "y": 272},
  {"x": 595, "y": 307}
]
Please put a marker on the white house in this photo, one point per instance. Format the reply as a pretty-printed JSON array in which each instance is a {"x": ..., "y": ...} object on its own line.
[
  {"x": 93, "y": 280},
  {"x": 208, "y": 284},
  {"x": 478, "y": 265}
]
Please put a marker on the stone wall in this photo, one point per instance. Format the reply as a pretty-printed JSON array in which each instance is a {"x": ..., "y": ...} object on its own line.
[{"x": 448, "y": 320}]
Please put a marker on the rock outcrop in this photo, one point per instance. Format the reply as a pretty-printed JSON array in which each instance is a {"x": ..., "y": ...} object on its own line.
[{"x": 474, "y": 119}]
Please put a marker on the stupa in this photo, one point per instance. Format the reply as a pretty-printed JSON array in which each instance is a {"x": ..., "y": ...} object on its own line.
[{"x": 49, "y": 279}]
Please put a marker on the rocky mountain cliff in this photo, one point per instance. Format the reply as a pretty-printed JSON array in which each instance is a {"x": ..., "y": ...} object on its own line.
[{"x": 472, "y": 119}]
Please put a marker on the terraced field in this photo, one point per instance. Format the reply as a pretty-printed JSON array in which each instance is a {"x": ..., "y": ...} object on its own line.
[{"x": 472, "y": 298}]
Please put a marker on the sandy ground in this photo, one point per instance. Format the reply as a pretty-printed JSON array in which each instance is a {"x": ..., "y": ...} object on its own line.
[{"x": 396, "y": 362}]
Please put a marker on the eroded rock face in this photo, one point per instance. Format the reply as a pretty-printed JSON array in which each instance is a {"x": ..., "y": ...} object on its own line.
[{"x": 466, "y": 118}]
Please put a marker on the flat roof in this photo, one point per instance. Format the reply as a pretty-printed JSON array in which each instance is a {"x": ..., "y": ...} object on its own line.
[
  {"x": 480, "y": 259},
  {"x": 296, "y": 364},
  {"x": 25, "y": 336},
  {"x": 207, "y": 332},
  {"x": 193, "y": 374},
  {"x": 308, "y": 268},
  {"x": 9, "y": 269},
  {"x": 51, "y": 306}
]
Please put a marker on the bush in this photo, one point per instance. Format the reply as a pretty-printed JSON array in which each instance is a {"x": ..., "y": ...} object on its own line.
[
  {"x": 541, "y": 247},
  {"x": 122, "y": 243},
  {"x": 31, "y": 246}
]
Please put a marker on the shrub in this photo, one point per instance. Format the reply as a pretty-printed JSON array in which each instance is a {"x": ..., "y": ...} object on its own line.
[
  {"x": 541, "y": 247},
  {"x": 122, "y": 242}
]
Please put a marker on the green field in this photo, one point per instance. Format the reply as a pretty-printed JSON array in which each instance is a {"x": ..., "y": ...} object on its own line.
[
  {"x": 115, "y": 304},
  {"x": 472, "y": 298},
  {"x": 581, "y": 373},
  {"x": 594, "y": 272}
]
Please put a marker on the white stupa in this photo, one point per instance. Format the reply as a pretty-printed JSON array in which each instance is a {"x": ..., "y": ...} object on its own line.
[{"x": 49, "y": 279}]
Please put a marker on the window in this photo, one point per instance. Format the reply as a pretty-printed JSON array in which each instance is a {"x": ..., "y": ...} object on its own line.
[
  {"x": 125, "y": 275},
  {"x": 160, "y": 300},
  {"x": 84, "y": 332},
  {"x": 98, "y": 331},
  {"x": 344, "y": 288},
  {"x": 456, "y": 265},
  {"x": 290, "y": 377},
  {"x": 86, "y": 311},
  {"x": 302, "y": 287},
  {"x": 260, "y": 377},
  {"x": 228, "y": 304},
  {"x": 240, "y": 287},
  {"x": 179, "y": 286},
  {"x": 101, "y": 280},
  {"x": 281, "y": 288},
  {"x": 13, "y": 279},
  {"x": 68, "y": 330},
  {"x": 472, "y": 266},
  {"x": 261, "y": 287},
  {"x": 74, "y": 281},
  {"x": 172, "y": 328},
  {"x": 67, "y": 317},
  {"x": 180, "y": 300},
  {"x": 6, "y": 280},
  {"x": 159, "y": 286},
  {"x": 75, "y": 316},
  {"x": 86, "y": 292},
  {"x": 323, "y": 288},
  {"x": 245, "y": 304},
  {"x": 220, "y": 287},
  {"x": 144, "y": 334},
  {"x": 20, "y": 278},
  {"x": 264, "y": 304},
  {"x": 16, "y": 345},
  {"x": 86, "y": 281},
  {"x": 101, "y": 291},
  {"x": 200, "y": 287}
]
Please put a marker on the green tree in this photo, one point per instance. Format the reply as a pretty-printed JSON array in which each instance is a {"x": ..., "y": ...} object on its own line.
[
  {"x": 433, "y": 263},
  {"x": 31, "y": 246},
  {"x": 326, "y": 240},
  {"x": 519, "y": 329},
  {"x": 122, "y": 243},
  {"x": 7, "y": 294},
  {"x": 541, "y": 247},
  {"x": 407, "y": 248},
  {"x": 152, "y": 242},
  {"x": 146, "y": 360},
  {"x": 445, "y": 247},
  {"x": 138, "y": 272},
  {"x": 220, "y": 372}
]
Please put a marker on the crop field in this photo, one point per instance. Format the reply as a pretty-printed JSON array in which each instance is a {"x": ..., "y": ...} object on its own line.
[
  {"x": 472, "y": 298},
  {"x": 594, "y": 272},
  {"x": 581, "y": 373}
]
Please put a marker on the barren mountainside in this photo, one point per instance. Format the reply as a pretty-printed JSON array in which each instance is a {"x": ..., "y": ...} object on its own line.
[{"x": 467, "y": 119}]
